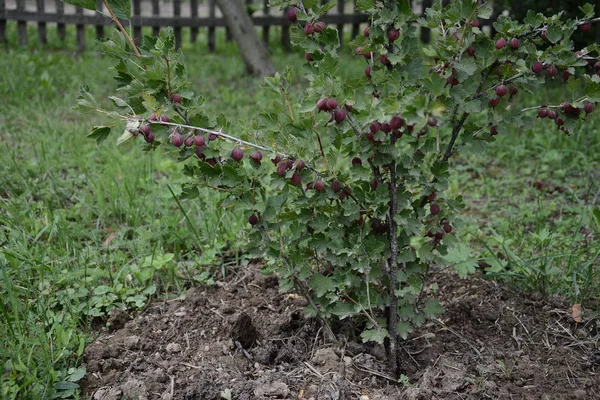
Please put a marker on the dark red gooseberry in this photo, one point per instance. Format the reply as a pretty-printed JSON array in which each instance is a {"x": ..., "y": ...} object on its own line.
[
  {"x": 296, "y": 179},
  {"x": 501, "y": 90},
  {"x": 319, "y": 185},
  {"x": 199, "y": 141},
  {"x": 331, "y": 103},
  {"x": 145, "y": 130},
  {"x": 291, "y": 14},
  {"x": 319, "y": 26},
  {"x": 396, "y": 122},
  {"x": 149, "y": 137},
  {"x": 309, "y": 29},
  {"x": 537, "y": 67},
  {"x": 256, "y": 156},
  {"x": 494, "y": 101},
  {"x": 336, "y": 186},
  {"x": 339, "y": 115},
  {"x": 393, "y": 34},
  {"x": 588, "y": 108},
  {"x": 585, "y": 28},
  {"x": 177, "y": 139},
  {"x": 374, "y": 127},
  {"x": 237, "y": 154},
  {"x": 322, "y": 105},
  {"x": 253, "y": 220}
]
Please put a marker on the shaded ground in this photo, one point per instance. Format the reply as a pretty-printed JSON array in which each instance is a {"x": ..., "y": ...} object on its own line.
[{"x": 245, "y": 340}]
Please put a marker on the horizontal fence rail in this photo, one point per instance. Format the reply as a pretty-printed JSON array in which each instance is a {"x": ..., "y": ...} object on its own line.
[{"x": 156, "y": 14}]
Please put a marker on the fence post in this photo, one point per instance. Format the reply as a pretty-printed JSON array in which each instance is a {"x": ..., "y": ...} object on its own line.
[
  {"x": 211, "y": 28},
  {"x": 22, "y": 25},
  {"x": 40, "y": 5},
  {"x": 2, "y": 22},
  {"x": 155, "y": 13},
  {"x": 340, "y": 26},
  {"x": 356, "y": 25},
  {"x": 266, "y": 28},
  {"x": 137, "y": 22},
  {"x": 177, "y": 30},
  {"x": 80, "y": 31},
  {"x": 285, "y": 32},
  {"x": 194, "y": 13},
  {"x": 60, "y": 26},
  {"x": 425, "y": 32},
  {"x": 99, "y": 20}
]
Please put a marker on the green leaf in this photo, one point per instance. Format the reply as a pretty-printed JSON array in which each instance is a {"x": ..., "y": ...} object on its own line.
[
  {"x": 119, "y": 102},
  {"x": 485, "y": 12},
  {"x": 554, "y": 33},
  {"x": 121, "y": 8},
  {"x": 365, "y": 5},
  {"x": 85, "y": 101},
  {"x": 100, "y": 133},
  {"x": 403, "y": 329},
  {"x": 596, "y": 215},
  {"x": 321, "y": 284},
  {"x": 77, "y": 375},
  {"x": 89, "y": 4},
  {"x": 125, "y": 138},
  {"x": 460, "y": 257},
  {"x": 374, "y": 335},
  {"x": 343, "y": 310},
  {"x": 592, "y": 91},
  {"x": 102, "y": 289},
  {"x": 189, "y": 193},
  {"x": 433, "y": 308},
  {"x": 65, "y": 385},
  {"x": 588, "y": 11}
]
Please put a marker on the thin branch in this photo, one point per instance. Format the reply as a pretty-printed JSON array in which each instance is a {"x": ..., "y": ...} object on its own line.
[
  {"x": 218, "y": 133},
  {"x": 457, "y": 126},
  {"x": 123, "y": 30},
  {"x": 346, "y": 188}
]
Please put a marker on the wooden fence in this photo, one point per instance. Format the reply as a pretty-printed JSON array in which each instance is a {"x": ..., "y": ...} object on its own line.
[{"x": 156, "y": 14}]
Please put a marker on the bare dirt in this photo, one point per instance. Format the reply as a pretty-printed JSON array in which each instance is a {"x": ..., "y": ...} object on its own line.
[{"x": 245, "y": 340}]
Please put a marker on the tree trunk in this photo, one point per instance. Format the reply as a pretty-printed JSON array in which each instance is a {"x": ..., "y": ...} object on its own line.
[{"x": 253, "y": 50}]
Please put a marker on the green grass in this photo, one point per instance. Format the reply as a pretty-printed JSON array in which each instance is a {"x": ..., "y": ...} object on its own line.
[{"x": 84, "y": 228}]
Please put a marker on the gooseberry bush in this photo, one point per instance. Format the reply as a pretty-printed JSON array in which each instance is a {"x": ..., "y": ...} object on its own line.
[{"x": 345, "y": 187}]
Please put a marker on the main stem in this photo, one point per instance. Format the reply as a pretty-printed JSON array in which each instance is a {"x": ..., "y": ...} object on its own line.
[{"x": 393, "y": 271}]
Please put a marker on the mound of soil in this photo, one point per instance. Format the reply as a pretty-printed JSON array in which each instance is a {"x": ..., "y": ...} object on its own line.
[{"x": 245, "y": 340}]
